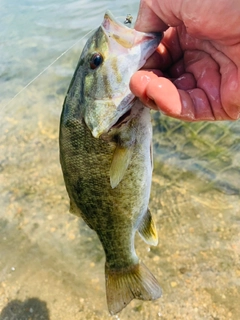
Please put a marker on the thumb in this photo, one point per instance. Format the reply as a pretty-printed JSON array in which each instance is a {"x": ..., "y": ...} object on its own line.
[
  {"x": 156, "y": 92},
  {"x": 155, "y": 18}
]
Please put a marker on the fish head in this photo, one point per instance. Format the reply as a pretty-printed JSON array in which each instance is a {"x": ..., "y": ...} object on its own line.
[{"x": 109, "y": 59}]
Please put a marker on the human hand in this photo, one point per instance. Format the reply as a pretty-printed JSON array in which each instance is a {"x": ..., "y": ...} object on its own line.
[{"x": 195, "y": 73}]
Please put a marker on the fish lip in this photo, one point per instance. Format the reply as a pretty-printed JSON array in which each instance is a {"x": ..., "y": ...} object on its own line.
[
  {"x": 113, "y": 27},
  {"x": 109, "y": 19}
]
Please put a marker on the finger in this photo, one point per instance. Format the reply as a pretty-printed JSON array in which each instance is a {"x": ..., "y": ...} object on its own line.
[
  {"x": 177, "y": 69},
  {"x": 192, "y": 105},
  {"x": 206, "y": 72},
  {"x": 148, "y": 20},
  {"x": 144, "y": 83},
  {"x": 185, "y": 82},
  {"x": 160, "y": 93},
  {"x": 167, "y": 98},
  {"x": 202, "y": 108},
  {"x": 171, "y": 43},
  {"x": 139, "y": 83},
  {"x": 160, "y": 59},
  {"x": 225, "y": 58},
  {"x": 168, "y": 54},
  {"x": 230, "y": 79}
]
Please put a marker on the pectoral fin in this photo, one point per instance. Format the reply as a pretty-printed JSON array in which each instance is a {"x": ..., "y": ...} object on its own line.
[
  {"x": 120, "y": 162},
  {"x": 147, "y": 229}
]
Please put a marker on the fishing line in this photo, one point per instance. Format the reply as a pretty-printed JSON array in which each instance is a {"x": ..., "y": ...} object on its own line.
[{"x": 45, "y": 69}]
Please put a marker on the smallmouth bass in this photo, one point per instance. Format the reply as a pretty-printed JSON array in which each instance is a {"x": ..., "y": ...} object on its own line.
[{"x": 105, "y": 141}]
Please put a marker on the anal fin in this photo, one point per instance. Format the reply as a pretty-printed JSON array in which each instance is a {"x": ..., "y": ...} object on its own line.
[
  {"x": 136, "y": 282},
  {"x": 147, "y": 229}
]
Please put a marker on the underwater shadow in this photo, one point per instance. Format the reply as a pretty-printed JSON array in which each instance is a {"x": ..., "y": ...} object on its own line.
[{"x": 30, "y": 309}]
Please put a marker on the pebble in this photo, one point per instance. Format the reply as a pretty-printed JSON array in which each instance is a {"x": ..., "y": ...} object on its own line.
[{"x": 173, "y": 284}]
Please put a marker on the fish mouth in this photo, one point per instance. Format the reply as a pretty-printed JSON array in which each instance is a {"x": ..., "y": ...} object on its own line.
[
  {"x": 114, "y": 28},
  {"x": 111, "y": 111},
  {"x": 122, "y": 120},
  {"x": 120, "y": 123},
  {"x": 125, "y": 117}
]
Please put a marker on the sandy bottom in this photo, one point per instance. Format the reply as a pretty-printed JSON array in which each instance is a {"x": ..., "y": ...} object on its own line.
[{"x": 52, "y": 264}]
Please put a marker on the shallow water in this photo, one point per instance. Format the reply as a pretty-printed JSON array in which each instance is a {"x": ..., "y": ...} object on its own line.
[{"x": 51, "y": 264}]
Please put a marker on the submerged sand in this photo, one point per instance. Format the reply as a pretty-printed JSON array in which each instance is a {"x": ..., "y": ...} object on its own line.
[{"x": 52, "y": 264}]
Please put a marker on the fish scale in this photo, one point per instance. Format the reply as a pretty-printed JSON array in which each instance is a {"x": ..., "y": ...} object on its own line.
[{"x": 105, "y": 142}]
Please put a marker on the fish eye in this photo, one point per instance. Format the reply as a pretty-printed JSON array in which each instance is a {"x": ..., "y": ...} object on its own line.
[{"x": 96, "y": 60}]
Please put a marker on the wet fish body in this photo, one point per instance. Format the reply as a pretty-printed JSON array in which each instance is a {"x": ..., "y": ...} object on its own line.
[{"x": 105, "y": 139}]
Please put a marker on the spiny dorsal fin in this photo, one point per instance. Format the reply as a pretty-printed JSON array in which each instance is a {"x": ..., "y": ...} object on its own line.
[
  {"x": 119, "y": 165},
  {"x": 147, "y": 229},
  {"x": 136, "y": 282}
]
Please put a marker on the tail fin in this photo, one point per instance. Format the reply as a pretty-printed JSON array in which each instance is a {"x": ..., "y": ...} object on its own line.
[{"x": 136, "y": 282}]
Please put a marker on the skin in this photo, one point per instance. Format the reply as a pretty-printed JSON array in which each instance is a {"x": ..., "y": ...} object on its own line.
[{"x": 195, "y": 73}]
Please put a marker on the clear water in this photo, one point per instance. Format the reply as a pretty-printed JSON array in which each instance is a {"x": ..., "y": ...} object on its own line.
[{"x": 51, "y": 264}]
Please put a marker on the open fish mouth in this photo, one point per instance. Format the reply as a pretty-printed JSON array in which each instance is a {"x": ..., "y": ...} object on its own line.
[
  {"x": 125, "y": 117},
  {"x": 122, "y": 120}
]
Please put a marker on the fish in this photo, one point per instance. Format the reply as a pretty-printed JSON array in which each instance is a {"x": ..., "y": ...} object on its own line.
[{"x": 105, "y": 154}]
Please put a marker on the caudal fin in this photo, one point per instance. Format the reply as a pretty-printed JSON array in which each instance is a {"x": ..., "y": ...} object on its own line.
[{"x": 136, "y": 282}]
